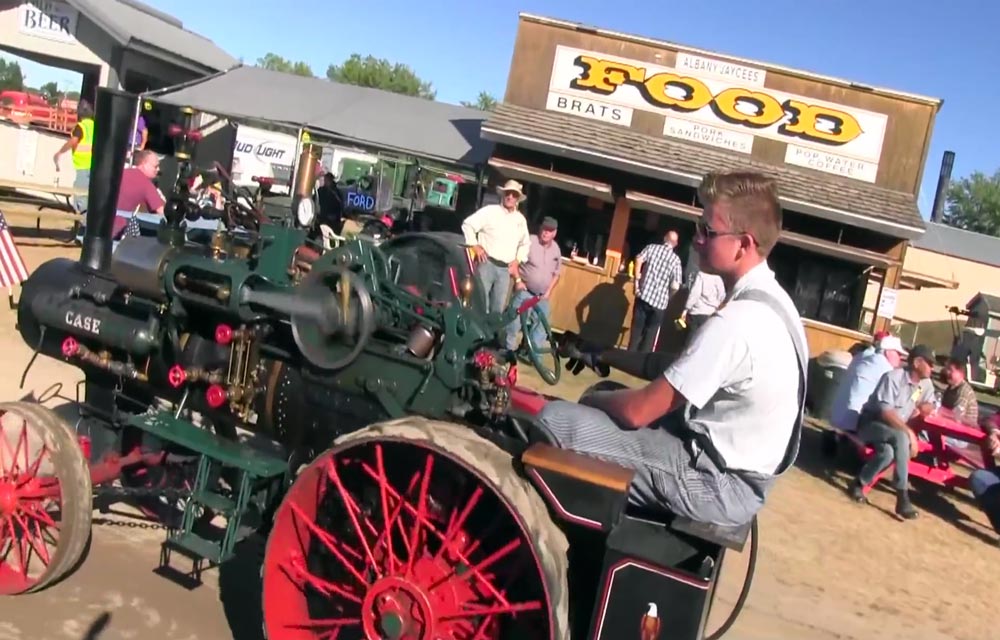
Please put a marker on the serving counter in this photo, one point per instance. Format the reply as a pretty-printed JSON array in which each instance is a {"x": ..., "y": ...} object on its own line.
[{"x": 589, "y": 301}]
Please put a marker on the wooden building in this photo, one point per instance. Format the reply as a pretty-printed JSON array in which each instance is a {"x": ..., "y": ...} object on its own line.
[{"x": 611, "y": 133}]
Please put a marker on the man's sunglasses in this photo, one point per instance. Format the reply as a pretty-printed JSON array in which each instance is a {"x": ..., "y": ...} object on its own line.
[{"x": 705, "y": 231}]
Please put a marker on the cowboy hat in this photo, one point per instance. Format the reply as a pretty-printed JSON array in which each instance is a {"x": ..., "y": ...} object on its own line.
[{"x": 516, "y": 187}]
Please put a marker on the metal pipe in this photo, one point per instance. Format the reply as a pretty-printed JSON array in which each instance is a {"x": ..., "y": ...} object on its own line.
[
  {"x": 112, "y": 132},
  {"x": 944, "y": 180}
]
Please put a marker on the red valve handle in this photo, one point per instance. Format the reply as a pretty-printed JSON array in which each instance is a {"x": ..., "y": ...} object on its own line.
[
  {"x": 70, "y": 347},
  {"x": 223, "y": 334},
  {"x": 215, "y": 396},
  {"x": 176, "y": 376}
]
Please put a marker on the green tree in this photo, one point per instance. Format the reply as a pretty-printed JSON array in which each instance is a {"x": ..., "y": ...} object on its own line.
[
  {"x": 51, "y": 92},
  {"x": 485, "y": 102},
  {"x": 10, "y": 76},
  {"x": 274, "y": 62},
  {"x": 379, "y": 73},
  {"x": 973, "y": 203}
]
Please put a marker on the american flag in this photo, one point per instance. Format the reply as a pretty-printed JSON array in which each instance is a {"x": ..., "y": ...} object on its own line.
[
  {"x": 12, "y": 269},
  {"x": 132, "y": 228}
]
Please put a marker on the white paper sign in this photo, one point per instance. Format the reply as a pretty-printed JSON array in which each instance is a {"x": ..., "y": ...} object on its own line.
[
  {"x": 887, "y": 303},
  {"x": 48, "y": 19},
  {"x": 27, "y": 149},
  {"x": 831, "y": 163},
  {"x": 707, "y": 134},
  {"x": 707, "y": 67},
  {"x": 588, "y": 108}
]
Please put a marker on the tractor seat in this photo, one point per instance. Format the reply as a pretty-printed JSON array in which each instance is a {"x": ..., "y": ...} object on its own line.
[{"x": 734, "y": 538}]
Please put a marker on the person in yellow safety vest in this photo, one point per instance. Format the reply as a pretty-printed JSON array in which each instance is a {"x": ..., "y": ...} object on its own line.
[{"x": 81, "y": 142}]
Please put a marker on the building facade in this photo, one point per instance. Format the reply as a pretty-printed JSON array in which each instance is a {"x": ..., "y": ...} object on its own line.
[{"x": 613, "y": 132}]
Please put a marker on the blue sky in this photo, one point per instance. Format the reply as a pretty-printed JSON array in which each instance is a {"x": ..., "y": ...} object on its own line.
[{"x": 943, "y": 50}]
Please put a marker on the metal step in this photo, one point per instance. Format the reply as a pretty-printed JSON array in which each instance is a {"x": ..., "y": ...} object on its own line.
[
  {"x": 195, "y": 547},
  {"x": 218, "y": 503},
  {"x": 232, "y": 454}
]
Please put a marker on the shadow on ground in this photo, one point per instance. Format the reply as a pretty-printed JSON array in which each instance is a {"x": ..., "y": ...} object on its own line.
[
  {"x": 240, "y": 590},
  {"x": 98, "y": 627}
]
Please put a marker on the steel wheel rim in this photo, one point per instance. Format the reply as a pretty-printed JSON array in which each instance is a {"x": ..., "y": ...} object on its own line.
[
  {"x": 404, "y": 596},
  {"x": 30, "y": 505}
]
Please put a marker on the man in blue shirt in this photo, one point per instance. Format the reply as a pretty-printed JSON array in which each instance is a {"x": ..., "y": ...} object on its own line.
[{"x": 859, "y": 381}]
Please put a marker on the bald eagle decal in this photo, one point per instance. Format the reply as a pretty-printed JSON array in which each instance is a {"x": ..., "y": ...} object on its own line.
[{"x": 649, "y": 627}]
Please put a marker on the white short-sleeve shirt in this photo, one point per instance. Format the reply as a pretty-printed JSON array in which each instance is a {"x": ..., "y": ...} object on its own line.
[{"x": 740, "y": 376}]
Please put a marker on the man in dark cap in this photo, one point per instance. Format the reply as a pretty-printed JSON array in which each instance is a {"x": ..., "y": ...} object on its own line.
[
  {"x": 899, "y": 396},
  {"x": 537, "y": 276}
]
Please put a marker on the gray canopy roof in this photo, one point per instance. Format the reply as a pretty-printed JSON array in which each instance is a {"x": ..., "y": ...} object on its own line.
[
  {"x": 369, "y": 117},
  {"x": 135, "y": 25}
]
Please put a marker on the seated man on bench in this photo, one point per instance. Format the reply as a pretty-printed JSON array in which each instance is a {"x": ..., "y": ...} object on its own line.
[
  {"x": 884, "y": 425},
  {"x": 740, "y": 380}
]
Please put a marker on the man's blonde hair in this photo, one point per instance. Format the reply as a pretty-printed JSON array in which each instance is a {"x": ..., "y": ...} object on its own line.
[{"x": 753, "y": 201}]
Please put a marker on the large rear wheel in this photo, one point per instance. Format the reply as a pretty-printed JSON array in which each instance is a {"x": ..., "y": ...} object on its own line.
[
  {"x": 414, "y": 529},
  {"x": 46, "y": 500}
]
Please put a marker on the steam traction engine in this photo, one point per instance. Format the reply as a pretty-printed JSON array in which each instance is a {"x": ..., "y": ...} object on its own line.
[{"x": 356, "y": 408}]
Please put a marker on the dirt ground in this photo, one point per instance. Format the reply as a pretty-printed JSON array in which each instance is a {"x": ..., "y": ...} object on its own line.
[{"x": 827, "y": 569}]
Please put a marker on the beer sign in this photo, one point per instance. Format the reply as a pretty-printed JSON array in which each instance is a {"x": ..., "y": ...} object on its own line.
[
  {"x": 719, "y": 104},
  {"x": 49, "y": 19}
]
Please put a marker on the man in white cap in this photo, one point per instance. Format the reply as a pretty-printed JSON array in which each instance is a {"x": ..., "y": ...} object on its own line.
[
  {"x": 860, "y": 379},
  {"x": 498, "y": 237}
]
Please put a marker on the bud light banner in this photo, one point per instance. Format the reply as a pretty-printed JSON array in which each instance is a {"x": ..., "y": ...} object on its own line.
[{"x": 263, "y": 153}]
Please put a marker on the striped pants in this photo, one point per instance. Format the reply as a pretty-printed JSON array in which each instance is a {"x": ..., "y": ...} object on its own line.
[{"x": 670, "y": 473}]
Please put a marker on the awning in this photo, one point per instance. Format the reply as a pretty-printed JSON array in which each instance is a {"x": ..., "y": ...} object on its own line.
[
  {"x": 825, "y": 196},
  {"x": 371, "y": 118},
  {"x": 834, "y": 250},
  {"x": 851, "y": 254},
  {"x": 915, "y": 280},
  {"x": 656, "y": 204},
  {"x": 582, "y": 186}
]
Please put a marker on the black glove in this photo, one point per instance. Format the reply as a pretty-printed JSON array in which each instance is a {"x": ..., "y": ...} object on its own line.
[{"x": 579, "y": 355}]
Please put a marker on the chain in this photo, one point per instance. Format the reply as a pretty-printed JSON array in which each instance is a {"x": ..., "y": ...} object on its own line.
[{"x": 130, "y": 524}]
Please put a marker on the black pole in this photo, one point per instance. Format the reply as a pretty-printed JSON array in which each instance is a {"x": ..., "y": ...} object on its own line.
[
  {"x": 944, "y": 179},
  {"x": 112, "y": 131}
]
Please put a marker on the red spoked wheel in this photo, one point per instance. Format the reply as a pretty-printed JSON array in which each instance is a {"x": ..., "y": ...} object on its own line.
[
  {"x": 45, "y": 498},
  {"x": 418, "y": 530}
]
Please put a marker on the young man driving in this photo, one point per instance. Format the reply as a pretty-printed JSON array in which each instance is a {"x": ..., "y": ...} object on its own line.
[{"x": 739, "y": 380}]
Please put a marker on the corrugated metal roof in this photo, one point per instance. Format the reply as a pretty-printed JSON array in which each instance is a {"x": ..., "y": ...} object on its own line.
[
  {"x": 132, "y": 23},
  {"x": 689, "y": 161},
  {"x": 372, "y": 117},
  {"x": 959, "y": 243}
]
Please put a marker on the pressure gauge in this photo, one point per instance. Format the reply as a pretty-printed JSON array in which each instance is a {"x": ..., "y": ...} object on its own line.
[{"x": 305, "y": 211}]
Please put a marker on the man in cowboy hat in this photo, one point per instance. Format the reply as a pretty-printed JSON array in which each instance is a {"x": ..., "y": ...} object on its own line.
[{"x": 498, "y": 237}]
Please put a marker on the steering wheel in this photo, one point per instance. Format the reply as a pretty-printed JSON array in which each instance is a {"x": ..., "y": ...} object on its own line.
[
  {"x": 336, "y": 320},
  {"x": 238, "y": 214},
  {"x": 531, "y": 318}
]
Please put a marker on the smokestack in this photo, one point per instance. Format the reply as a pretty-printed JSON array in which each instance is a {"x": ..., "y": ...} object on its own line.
[
  {"x": 112, "y": 130},
  {"x": 944, "y": 179}
]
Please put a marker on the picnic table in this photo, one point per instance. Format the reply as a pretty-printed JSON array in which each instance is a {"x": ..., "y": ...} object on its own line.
[
  {"x": 934, "y": 464},
  {"x": 936, "y": 457}
]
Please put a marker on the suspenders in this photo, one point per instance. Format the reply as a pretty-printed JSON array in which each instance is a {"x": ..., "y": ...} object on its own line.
[{"x": 793, "y": 325}]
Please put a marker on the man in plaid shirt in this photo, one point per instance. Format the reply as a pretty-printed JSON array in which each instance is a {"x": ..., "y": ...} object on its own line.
[{"x": 657, "y": 277}]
